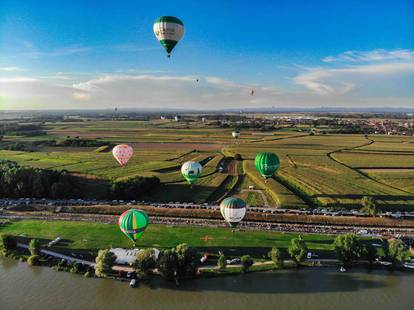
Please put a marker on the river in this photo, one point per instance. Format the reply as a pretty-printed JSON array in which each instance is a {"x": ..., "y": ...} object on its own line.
[{"x": 24, "y": 287}]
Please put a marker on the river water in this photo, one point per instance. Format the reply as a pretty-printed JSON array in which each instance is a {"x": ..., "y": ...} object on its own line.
[{"x": 24, "y": 287}]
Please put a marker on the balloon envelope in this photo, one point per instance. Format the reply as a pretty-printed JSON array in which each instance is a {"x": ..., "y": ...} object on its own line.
[
  {"x": 133, "y": 223},
  {"x": 235, "y": 134},
  {"x": 267, "y": 164},
  {"x": 122, "y": 153},
  {"x": 233, "y": 210},
  {"x": 191, "y": 170},
  {"x": 168, "y": 30}
]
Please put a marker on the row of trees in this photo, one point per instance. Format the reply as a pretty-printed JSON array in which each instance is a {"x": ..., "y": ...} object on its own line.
[
  {"x": 349, "y": 250},
  {"x": 18, "y": 181}
]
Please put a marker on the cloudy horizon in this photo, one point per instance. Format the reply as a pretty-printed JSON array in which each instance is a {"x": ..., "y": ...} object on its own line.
[{"x": 47, "y": 65}]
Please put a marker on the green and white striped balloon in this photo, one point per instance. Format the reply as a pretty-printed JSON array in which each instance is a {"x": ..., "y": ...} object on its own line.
[
  {"x": 168, "y": 30},
  {"x": 233, "y": 210}
]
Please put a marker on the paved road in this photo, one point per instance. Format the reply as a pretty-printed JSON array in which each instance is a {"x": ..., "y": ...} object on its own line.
[{"x": 59, "y": 255}]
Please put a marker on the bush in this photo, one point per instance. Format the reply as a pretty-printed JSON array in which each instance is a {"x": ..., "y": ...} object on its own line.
[
  {"x": 275, "y": 256},
  {"x": 246, "y": 262},
  {"x": 33, "y": 260},
  {"x": 104, "y": 262},
  {"x": 369, "y": 206},
  {"x": 88, "y": 274},
  {"x": 221, "y": 262},
  {"x": 7, "y": 243},
  {"x": 298, "y": 250},
  {"x": 74, "y": 267},
  {"x": 145, "y": 261},
  {"x": 34, "y": 247}
]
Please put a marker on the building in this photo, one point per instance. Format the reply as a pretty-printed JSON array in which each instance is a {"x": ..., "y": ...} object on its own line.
[{"x": 128, "y": 256}]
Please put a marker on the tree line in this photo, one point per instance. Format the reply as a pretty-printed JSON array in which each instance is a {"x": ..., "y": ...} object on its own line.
[{"x": 26, "y": 182}]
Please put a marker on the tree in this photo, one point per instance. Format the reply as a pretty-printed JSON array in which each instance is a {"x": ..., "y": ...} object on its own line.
[
  {"x": 221, "y": 262},
  {"x": 145, "y": 261},
  {"x": 104, "y": 262},
  {"x": 34, "y": 247},
  {"x": 396, "y": 252},
  {"x": 275, "y": 256},
  {"x": 369, "y": 206},
  {"x": 187, "y": 260},
  {"x": 370, "y": 253},
  {"x": 298, "y": 250},
  {"x": 246, "y": 262},
  {"x": 168, "y": 264},
  {"x": 7, "y": 243},
  {"x": 348, "y": 249}
]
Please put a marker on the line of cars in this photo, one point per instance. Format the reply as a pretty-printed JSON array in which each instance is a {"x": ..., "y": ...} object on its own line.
[{"x": 5, "y": 203}]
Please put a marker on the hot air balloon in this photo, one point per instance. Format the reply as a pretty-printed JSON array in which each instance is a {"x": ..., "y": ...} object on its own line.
[
  {"x": 133, "y": 223},
  {"x": 168, "y": 30},
  {"x": 267, "y": 164},
  {"x": 235, "y": 134},
  {"x": 191, "y": 170},
  {"x": 233, "y": 210},
  {"x": 122, "y": 153}
]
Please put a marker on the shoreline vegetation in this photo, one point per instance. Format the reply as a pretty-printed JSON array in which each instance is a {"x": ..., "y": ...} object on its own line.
[{"x": 186, "y": 253}]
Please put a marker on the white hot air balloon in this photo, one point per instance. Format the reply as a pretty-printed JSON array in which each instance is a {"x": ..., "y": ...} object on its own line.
[
  {"x": 168, "y": 30},
  {"x": 191, "y": 170},
  {"x": 122, "y": 153},
  {"x": 235, "y": 134},
  {"x": 233, "y": 210}
]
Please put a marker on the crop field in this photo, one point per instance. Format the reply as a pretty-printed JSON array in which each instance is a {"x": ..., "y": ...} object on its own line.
[{"x": 327, "y": 170}]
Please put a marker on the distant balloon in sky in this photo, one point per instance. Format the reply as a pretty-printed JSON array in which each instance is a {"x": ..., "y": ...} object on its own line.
[
  {"x": 133, "y": 223},
  {"x": 191, "y": 170},
  {"x": 267, "y": 164},
  {"x": 169, "y": 30},
  {"x": 122, "y": 153},
  {"x": 233, "y": 210}
]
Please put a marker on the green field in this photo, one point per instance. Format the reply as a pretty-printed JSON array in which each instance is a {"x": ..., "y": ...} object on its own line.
[
  {"x": 321, "y": 170},
  {"x": 93, "y": 236}
]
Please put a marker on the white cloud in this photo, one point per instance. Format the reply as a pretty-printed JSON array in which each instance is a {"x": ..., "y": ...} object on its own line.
[
  {"x": 338, "y": 81},
  {"x": 81, "y": 96},
  {"x": 62, "y": 51},
  {"x": 372, "y": 56},
  {"x": 11, "y": 69}
]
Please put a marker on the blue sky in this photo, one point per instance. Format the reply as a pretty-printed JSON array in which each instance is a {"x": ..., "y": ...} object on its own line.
[{"x": 101, "y": 54}]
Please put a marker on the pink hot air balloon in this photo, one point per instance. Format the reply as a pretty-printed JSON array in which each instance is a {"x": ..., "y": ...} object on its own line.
[{"x": 122, "y": 153}]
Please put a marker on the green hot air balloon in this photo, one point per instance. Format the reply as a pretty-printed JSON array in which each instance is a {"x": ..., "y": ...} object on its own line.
[
  {"x": 233, "y": 210},
  {"x": 133, "y": 223},
  {"x": 169, "y": 30},
  {"x": 267, "y": 164}
]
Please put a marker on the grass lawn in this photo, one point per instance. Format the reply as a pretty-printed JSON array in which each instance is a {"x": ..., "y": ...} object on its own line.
[{"x": 85, "y": 235}]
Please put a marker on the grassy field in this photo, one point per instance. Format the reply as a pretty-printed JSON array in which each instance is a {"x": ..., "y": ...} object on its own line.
[
  {"x": 93, "y": 236},
  {"x": 326, "y": 170}
]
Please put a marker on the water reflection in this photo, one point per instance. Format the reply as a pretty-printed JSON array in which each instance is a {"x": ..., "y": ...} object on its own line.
[{"x": 28, "y": 288}]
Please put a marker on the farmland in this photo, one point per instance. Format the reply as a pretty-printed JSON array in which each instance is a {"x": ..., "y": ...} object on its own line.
[{"x": 322, "y": 170}]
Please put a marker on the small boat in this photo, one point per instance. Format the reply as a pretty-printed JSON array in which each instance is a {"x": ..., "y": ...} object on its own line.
[
  {"x": 133, "y": 283},
  {"x": 342, "y": 269}
]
